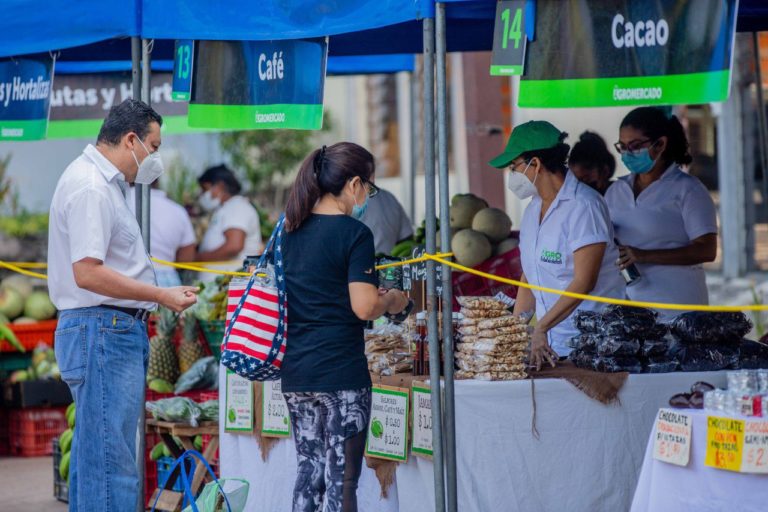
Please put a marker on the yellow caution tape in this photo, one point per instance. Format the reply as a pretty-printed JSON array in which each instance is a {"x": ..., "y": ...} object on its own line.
[
  {"x": 196, "y": 268},
  {"x": 21, "y": 271}
]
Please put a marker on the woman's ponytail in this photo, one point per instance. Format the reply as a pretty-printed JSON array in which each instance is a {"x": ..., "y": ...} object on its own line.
[
  {"x": 677, "y": 143},
  {"x": 305, "y": 192}
]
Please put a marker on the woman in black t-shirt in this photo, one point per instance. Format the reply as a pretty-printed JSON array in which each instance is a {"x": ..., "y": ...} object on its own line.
[{"x": 332, "y": 289}]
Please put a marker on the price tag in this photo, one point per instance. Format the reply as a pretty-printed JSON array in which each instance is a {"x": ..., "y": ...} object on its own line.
[
  {"x": 238, "y": 404},
  {"x": 509, "y": 39},
  {"x": 182, "y": 69},
  {"x": 422, "y": 420},
  {"x": 275, "y": 421},
  {"x": 725, "y": 443},
  {"x": 388, "y": 428},
  {"x": 672, "y": 443},
  {"x": 755, "y": 447}
]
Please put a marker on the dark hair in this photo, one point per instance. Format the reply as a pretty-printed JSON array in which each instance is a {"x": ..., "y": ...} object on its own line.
[
  {"x": 553, "y": 159},
  {"x": 130, "y": 116},
  {"x": 654, "y": 124},
  {"x": 221, "y": 174},
  {"x": 325, "y": 171},
  {"x": 592, "y": 152}
]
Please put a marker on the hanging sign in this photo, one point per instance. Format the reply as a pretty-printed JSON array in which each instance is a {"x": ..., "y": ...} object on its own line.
[
  {"x": 672, "y": 442},
  {"x": 25, "y": 97},
  {"x": 599, "y": 53},
  {"x": 725, "y": 443},
  {"x": 258, "y": 84},
  {"x": 755, "y": 447},
  {"x": 238, "y": 404},
  {"x": 388, "y": 428},
  {"x": 183, "y": 54},
  {"x": 509, "y": 39},
  {"x": 422, "y": 420},
  {"x": 274, "y": 411},
  {"x": 80, "y": 102}
]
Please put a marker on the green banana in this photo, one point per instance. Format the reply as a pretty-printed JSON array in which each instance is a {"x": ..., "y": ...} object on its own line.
[{"x": 8, "y": 335}]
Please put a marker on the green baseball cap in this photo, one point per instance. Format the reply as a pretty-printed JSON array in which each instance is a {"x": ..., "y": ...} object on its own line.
[{"x": 528, "y": 137}]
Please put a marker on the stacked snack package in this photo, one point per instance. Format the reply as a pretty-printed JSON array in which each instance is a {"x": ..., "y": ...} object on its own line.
[
  {"x": 746, "y": 395},
  {"x": 492, "y": 342},
  {"x": 388, "y": 349},
  {"x": 709, "y": 341}
]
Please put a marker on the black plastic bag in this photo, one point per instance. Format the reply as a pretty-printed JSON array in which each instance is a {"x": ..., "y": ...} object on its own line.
[
  {"x": 588, "y": 322},
  {"x": 642, "y": 317},
  {"x": 610, "y": 346},
  {"x": 582, "y": 359},
  {"x": 753, "y": 355},
  {"x": 618, "y": 364},
  {"x": 700, "y": 358},
  {"x": 661, "y": 364},
  {"x": 704, "y": 328},
  {"x": 654, "y": 347},
  {"x": 585, "y": 342}
]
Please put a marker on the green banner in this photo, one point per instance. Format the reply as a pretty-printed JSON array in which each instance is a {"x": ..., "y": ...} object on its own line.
[
  {"x": 606, "y": 53},
  {"x": 249, "y": 117},
  {"x": 25, "y": 97}
]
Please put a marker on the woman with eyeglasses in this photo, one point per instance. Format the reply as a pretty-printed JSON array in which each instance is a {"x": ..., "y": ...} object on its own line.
[
  {"x": 332, "y": 289},
  {"x": 665, "y": 220},
  {"x": 566, "y": 238}
]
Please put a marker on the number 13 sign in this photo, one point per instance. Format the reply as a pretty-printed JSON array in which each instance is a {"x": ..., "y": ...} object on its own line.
[{"x": 509, "y": 38}]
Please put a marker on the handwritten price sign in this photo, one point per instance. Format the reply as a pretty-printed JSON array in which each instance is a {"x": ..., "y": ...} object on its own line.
[
  {"x": 388, "y": 428},
  {"x": 275, "y": 420},
  {"x": 725, "y": 443},
  {"x": 672, "y": 443},
  {"x": 422, "y": 420},
  {"x": 755, "y": 447},
  {"x": 238, "y": 404}
]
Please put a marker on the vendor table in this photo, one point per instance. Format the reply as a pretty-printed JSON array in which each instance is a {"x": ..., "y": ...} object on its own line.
[
  {"x": 587, "y": 457},
  {"x": 697, "y": 487}
]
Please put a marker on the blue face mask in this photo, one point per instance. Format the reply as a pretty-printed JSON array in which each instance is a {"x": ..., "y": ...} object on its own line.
[
  {"x": 638, "y": 162},
  {"x": 359, "y": 211}
]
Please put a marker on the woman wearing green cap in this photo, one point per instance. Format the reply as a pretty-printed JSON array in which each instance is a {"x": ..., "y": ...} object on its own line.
[{"x": 566, "y": 237}]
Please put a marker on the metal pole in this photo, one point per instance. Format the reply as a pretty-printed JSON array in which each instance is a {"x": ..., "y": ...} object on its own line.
[
  {"x": 445, "y": 243},
  {"x": 762, "y": 128},
  {"x": 413, "y": 95},
  {"x": 142, "y": 216},
  {"x": 434, "y": 344},
  {"x": 136, "y": 89}
]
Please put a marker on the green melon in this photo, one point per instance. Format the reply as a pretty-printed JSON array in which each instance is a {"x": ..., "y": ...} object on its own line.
[
  {"x": 493, "y": 223},
  {"x": 463, "y": 209},
  {"x": 11, "y": 303},
  {"x": 470, "y": 247},
  {"x": 39, "y": 307}
]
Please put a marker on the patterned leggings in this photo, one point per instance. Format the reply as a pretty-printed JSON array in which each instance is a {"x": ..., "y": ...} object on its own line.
[{"x": 329, "y": 429}]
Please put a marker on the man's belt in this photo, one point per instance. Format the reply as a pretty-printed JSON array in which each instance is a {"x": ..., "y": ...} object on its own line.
[{"x": 138, "y": 314}]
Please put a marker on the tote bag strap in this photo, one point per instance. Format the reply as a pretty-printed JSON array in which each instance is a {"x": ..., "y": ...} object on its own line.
[{"x": 189, "y": 495}]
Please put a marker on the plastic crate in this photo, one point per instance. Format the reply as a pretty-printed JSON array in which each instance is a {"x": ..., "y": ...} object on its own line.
[
  {"x": 206, "y": 440},
  {"x": 31, "y": 335},
  {"x": 60, "y": 486},
  {"x": 5, "y": 443},
  {"x": 213, "y": 332},
  {"x": 150, "y": 468},
  {"x": 194, "y": 395},
  {"x": 32, "y": 431},
  {"x": 164, "y": 465},
  {"x": 507, "y": 265},
  {"x": 209, "y": 395}
]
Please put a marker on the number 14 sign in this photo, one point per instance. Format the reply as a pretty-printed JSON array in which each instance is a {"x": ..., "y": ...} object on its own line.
[{"x": 509, "y": 38}]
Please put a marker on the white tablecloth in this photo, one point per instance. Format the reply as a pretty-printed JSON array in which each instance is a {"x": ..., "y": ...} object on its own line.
[
  {"x": 588, "y": 456},
  {"x": 665, "y": 487}
]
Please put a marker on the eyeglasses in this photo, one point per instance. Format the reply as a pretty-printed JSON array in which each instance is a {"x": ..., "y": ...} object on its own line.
[
  {"x": 632, "y": 146},
  {"x": 513, "y": 166},
  {"x": 371, "y": 188}
]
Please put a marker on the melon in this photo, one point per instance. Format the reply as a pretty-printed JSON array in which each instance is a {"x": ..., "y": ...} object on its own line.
[
  {"x": 39, "y": 307},
  {"x": 11, "y": 303},
  {"x": 470, "y": 247},
  {"x": 463, "y": 209},
  {"x": 24, "y": 320},
  {"x": 493, "y": 223},
  {"x": 505, "y": 246},
  {"x": 20, "y": 283}
]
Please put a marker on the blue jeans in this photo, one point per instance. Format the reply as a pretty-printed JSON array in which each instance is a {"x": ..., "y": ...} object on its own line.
[{"x": 103, "y": 355}]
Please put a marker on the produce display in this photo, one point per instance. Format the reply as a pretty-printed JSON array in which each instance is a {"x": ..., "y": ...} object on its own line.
[
  {"x": 65, "y": 443},
  {"x": 184, "y": 410},
  {"x": 388, "y": 349},
  {"x": 166, "y": 363},
  {"x": 479, "y": 232},
  {"x": 629, "y": 339},
  {"x": 212, "y": 300},
  {"x": 43, "y": 366},
  {"x": 492, "y": 342},
  {"x": 21, "y": 303},
  {"x": 204, "y": 374}
]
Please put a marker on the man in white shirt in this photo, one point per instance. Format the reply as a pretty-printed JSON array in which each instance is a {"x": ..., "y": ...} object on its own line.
[
  {"x": 171, "y": 235},
  {"x": 101, "y": 280}
]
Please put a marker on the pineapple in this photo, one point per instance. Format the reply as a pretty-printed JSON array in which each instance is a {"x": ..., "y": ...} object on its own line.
[
  {"x": 163, "y": 363},
  {"x": 190, "y": 349}
]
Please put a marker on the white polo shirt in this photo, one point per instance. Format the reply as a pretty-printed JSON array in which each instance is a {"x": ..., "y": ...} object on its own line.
[
  {"x": 668, "y": 214},
  {"x": 170, "y": 229},
  {"x": 577, "y": 217},
  {"x": 237, "y": 213},
  {"x": 90, "y": 218}
]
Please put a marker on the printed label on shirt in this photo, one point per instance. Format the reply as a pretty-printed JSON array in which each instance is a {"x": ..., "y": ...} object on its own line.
[{"x": 553, "y": 257}]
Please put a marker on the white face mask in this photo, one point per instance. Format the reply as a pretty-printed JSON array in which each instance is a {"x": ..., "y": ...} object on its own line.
[
  {"x": 150, "y": 169},
  {"x": 208, "y": 202},
  {"x": 519, "y": 184}
]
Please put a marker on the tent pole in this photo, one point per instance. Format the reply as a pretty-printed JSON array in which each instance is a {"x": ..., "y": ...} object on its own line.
[
  {"x": 445, "y": 243},
  {"x": 140, "y": 435},
  {"x": 414, "y": 141},
  {"x": 429, "y": 182},
  {"x": 762, "y": 128}
]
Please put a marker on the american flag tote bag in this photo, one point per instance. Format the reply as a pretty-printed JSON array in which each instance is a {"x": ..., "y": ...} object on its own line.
[{"x": 257, "y": 317}]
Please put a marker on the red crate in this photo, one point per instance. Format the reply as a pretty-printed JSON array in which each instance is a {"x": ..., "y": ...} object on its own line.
[
  {"x": 31, "y": 335},
  {"x": 5, "y": 444},
  {"x": 194, "y": 395},
  {"x": 31, "y": 431},
  {"x": 206, "y": 440},
  {"x": 150, "y": 467},
  {"x": 507, "y": 265},
  {"x": 209, "y": 395}
]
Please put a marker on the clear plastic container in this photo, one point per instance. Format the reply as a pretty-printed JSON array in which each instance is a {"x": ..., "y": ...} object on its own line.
[
  {"x": 762, "y": 381},
  {"x": 743, "y": 381}
]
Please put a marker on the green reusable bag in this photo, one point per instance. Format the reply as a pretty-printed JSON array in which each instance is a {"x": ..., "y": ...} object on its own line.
[{"x": 211, "y": 499}]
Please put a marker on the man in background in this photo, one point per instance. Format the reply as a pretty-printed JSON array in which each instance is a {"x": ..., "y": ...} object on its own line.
[{"x": 387, "y": 219}]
